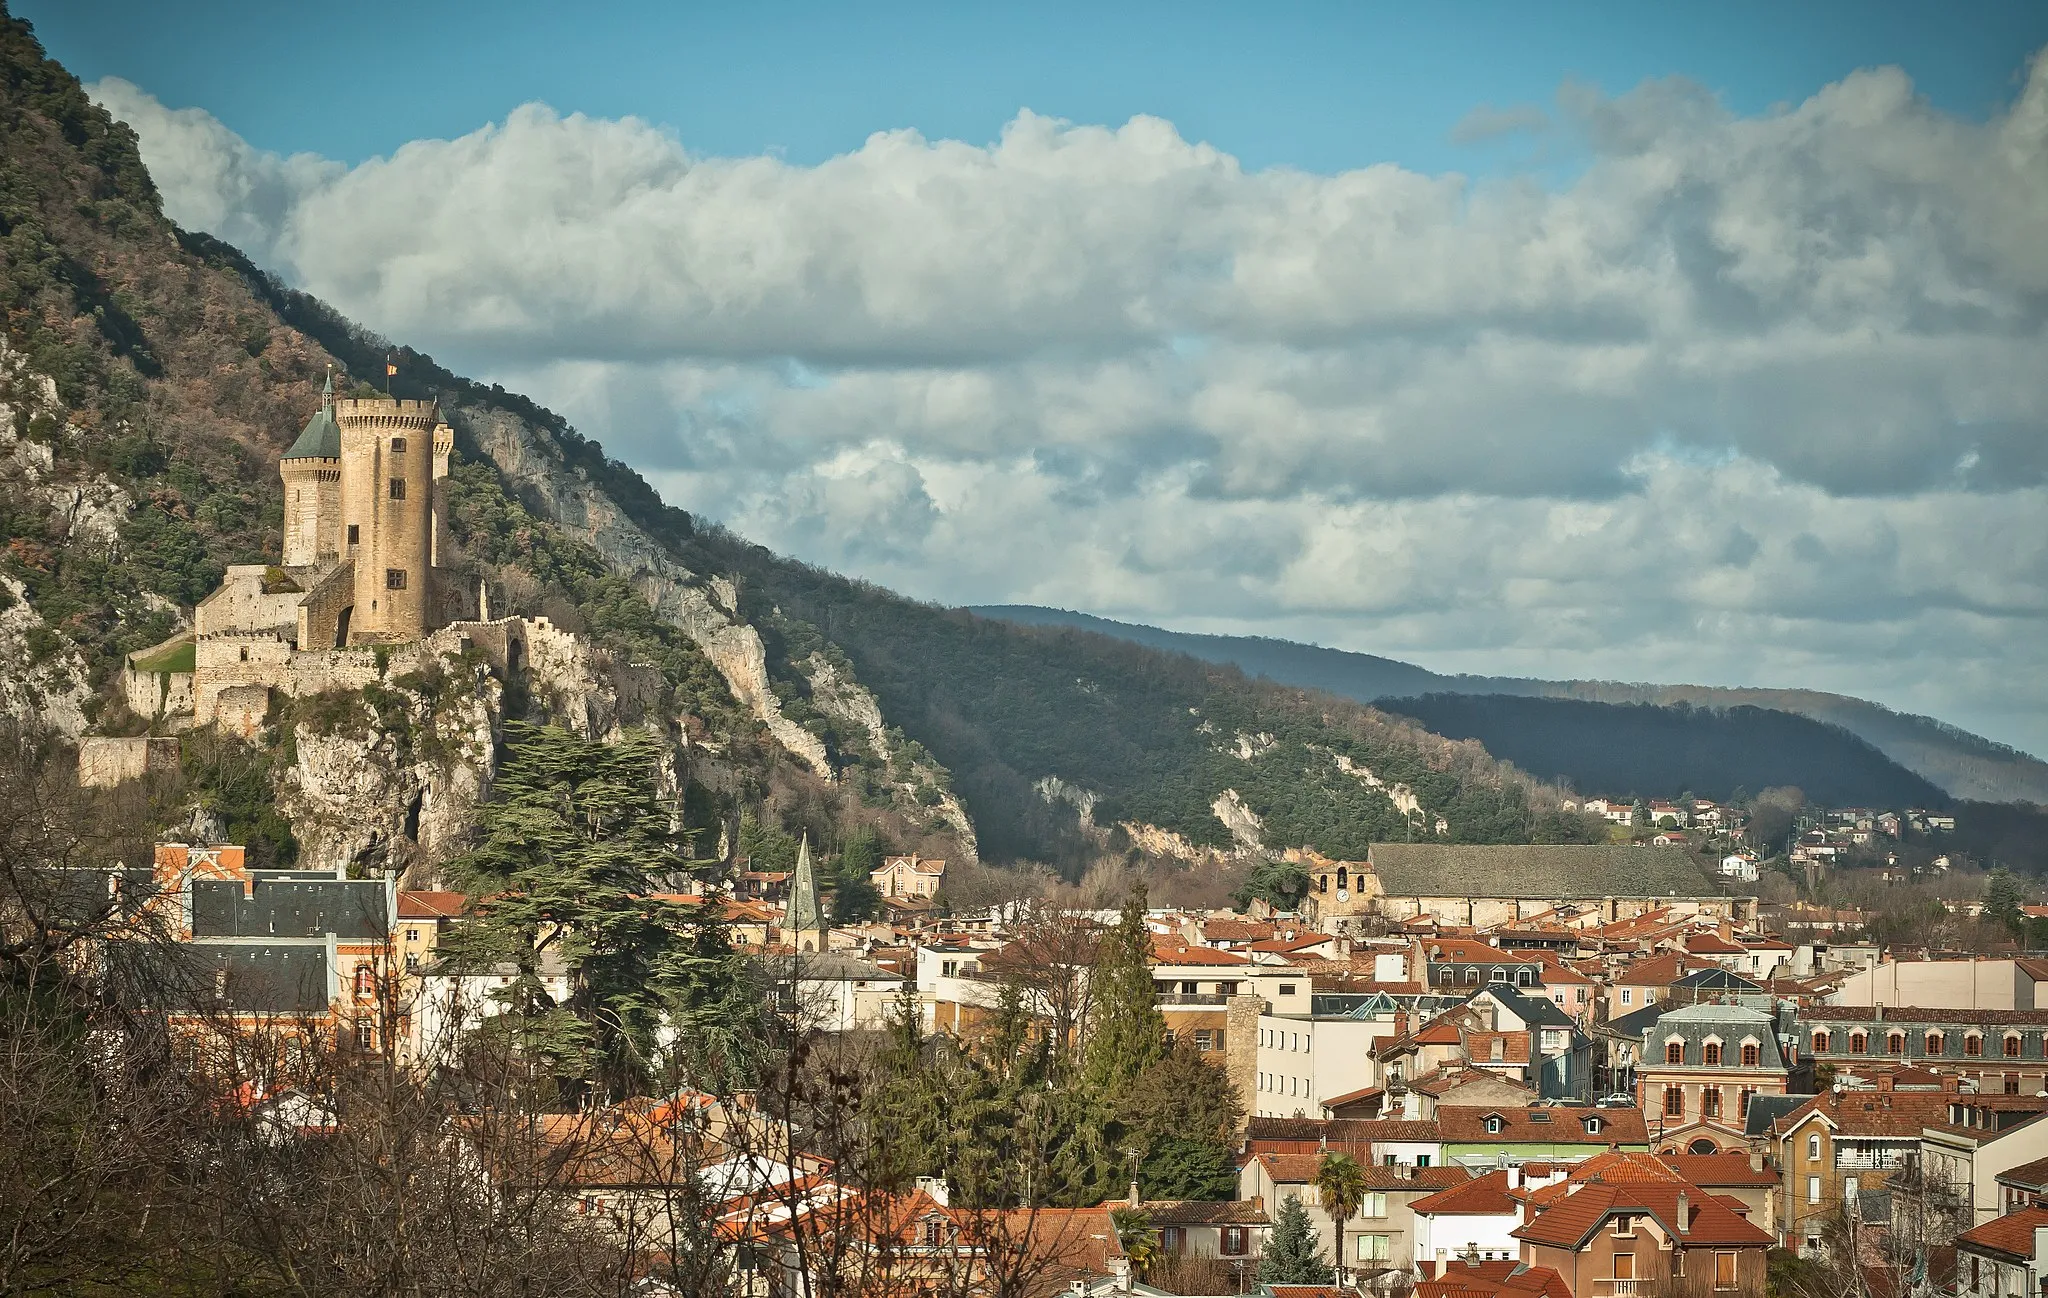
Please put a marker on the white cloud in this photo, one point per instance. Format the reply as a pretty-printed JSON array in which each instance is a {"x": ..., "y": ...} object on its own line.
[{"x": 1754, "y": 399}]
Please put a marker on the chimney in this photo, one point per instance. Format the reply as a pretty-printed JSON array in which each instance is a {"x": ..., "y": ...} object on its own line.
[
  {"x": 1514, "y": 1178},
  {"x": 1756, "y": 1160},
  {"x": 1136, "y": 1198},
  {"x": 934, "y": 1187},
  {"x": 1684, "y": 1211}
]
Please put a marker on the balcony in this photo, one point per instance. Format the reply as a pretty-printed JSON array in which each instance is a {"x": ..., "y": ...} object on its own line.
[
  {"x": 1167, "y": 1000},
  {"x": 1620, "y": 1288}
]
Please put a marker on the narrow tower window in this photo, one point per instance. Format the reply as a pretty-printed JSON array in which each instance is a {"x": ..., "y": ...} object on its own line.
[
  {"x": 398, "y": 446},
  {"x": 354, "y": 533},
  {"x": 398, "y": 488}
]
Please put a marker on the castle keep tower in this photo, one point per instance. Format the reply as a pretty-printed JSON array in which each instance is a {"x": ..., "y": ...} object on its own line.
[
  {"x": 388, "y": 454},
  {"x": 312, "y": 490}
]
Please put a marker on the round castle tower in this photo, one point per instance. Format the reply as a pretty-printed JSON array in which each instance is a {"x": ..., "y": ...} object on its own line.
[
  {"x": 387, "y": 498},
  {"x": 312, "y": 490}
]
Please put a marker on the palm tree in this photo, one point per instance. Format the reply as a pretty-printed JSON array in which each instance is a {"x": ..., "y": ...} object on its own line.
[{"x": 1340, "y": 1188}]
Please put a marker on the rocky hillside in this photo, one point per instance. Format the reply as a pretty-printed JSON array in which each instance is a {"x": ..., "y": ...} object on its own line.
[{"x": 153, "y": 376}]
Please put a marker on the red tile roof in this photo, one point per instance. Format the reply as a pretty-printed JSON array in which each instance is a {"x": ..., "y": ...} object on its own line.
[
  {"x": 1570, "y": 1221},
  {"x": 2012, "y": 1234},
  {"x": 1482, "y": 1196},
  {"x": 1553, "y": 1125},
  {"x": 1173, "y": 951},
  {"x": 1495, "y": 1279},
  {"x": 1712, "y": 1170},
  {"x": 1300, "y": 1169},
  {"x": 1874, "y": 1113},
  {"x": 430, "y": 905}
]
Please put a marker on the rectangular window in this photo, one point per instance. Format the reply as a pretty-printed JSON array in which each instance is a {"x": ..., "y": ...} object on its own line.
[
  {"x": 364, "y": 1036},
  {"x": 1813, "y": 1189},
  {"x": 1201, "y": 1038},
  {"x": 1374, "y": 1248},
  {"x": 1374, "y": 1204},
  {"x": 1233, "y": 1241},
  {"x": 1624, "y": 1266},
  {"x": 1287, "y": 989},
  {"x": 1628, "y": 996},
  {"x": 398, "y": 446},
  {"x": 394, "y": 579},
  {"x": 1674, "y": 1101},
  {"x": 354, "y": 534},
  {"x": 1422, "y": 1160},
  {"x": 412, "y": 935},
  {"x": 1724, "y": 1270},
  {"x": 1219, "y": 1038},
  {"x": 398, "y": 488}
]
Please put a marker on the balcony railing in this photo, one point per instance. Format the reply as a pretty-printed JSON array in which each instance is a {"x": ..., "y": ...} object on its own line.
[
  {"x": 1619, "y": 1288},
  {"x": 1190, "y": 998}
]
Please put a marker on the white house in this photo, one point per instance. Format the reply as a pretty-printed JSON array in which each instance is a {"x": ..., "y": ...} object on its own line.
[
  {"x": 1739, "y": 865},
  {"x": 2005, "y": 1257}
]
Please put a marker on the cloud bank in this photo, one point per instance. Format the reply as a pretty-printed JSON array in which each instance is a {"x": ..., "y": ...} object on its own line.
[{"x": 1752, "y": 400}]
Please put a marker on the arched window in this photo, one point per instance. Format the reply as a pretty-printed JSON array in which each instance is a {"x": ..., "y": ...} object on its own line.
[
  {"x": 1322, "y": 883},
  {"x": 366, "y": 982},
  {"x": 1710, "y": 1054},
  {"x": 1936, "y": 1044},
  {"x": 2012, "y": 1045},
  {"x": 1859, "y": 1043},
  {"x": 1674, "y": 1052},
  {"x": 1973, "y": 1044},
  {"x": 1813, "y": 1147},
  {"x": 1674, "y": 1101},
  {"x": 1703, "y": 1146},
  {"x": 1343, "y": 878},
  {"x": 1820, "y": 1043},
  {"x": 1752, "y": 1054},
  {"x": 1895, "y": 1043}
]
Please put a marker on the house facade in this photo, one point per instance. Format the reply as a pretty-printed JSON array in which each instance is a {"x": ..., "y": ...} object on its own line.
[{"x": 1698, "y": 1069}]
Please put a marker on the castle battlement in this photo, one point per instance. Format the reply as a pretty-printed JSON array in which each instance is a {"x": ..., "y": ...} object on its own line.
[{"x": 387, "y": 412}]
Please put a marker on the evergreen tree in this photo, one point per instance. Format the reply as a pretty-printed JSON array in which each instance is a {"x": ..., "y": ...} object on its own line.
[
  {"x": 1291, "y": 1255},
  {"x": 2002, "y": 898},
  {"x": 572, "y": 848},
  {"x": 1126, "y": 1032},
  {"x": 1280, "y": 884}
]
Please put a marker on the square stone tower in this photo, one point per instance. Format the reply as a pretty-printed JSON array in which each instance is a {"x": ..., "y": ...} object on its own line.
[{"x": 388, "y": 457}]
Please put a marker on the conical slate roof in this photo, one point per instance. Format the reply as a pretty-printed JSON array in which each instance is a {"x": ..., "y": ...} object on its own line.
[
  {"x": 804, "y": 914},
  {"x": 321, "y": 439}
]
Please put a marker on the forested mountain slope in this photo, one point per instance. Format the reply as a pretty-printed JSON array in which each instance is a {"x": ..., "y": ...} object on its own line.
[
  {"x": 159, "y": 374},
  {"x": 1640, "y": 750},
  {"x": 1960, "y": 763}
]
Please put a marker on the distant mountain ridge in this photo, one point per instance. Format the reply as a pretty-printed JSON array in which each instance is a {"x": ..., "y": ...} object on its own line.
[{"x": 1961, "y": 764}]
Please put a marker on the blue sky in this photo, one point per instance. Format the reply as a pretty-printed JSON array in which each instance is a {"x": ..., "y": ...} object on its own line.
[
  {"x": 1725, "y": 367},
  {"x": 1320, "y": 86}
]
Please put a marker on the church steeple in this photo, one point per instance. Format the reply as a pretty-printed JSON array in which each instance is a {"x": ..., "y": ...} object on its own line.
[{"x": 805, "y": 919}]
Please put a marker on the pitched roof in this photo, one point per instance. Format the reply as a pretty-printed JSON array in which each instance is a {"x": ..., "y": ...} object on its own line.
[
  {"x": 1569, "y": 1222},
  {"x": 430, "y": 905},
  {"x": 1548, "y": 871},
  {"x": 1711, "y": 1170},
  {"x": 1559, "y": 1125},
  {"x": 1501, "y": 1278},
  {"x": 1202, "y": 1212},
  {"x": 319, "y": 440},
  {"x": 1300, "y": 1169},
  {"x": 2012, "y": 1234},
  {"x": 1333, "y": 1131},
  {"x": 1898, "y": 1114},
  {"x": 2032, "y": 1175},
  {"x": 1482, "y": 1196},
  {"x": 1913, "y": 1015}
]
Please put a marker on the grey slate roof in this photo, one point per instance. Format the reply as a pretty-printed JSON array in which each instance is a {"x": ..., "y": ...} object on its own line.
[
  {"x": 321, "y": 439},
  {"x": 287, "y": 907},
  {"x": 1716, "y": 980},
  {"x": 1730, "y": 1024},
  {"x": 1554, "y": 872},
  {"x": 1765, "y": 1110}
]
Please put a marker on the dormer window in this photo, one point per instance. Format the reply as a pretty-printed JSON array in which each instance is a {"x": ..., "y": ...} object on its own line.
[
  {"x": 1500, "y": 975},
  {"x": 1820, "y": 1043},
  {"x": 1895, "y": 1043},
  {"x": 1710, "y": 1054},
  {"x": 1493, "y": 1124},
  {"x": 1753, "y": 1054},
  {"x": 1936, "y": 1044},
  {"x": 1973, "y": 1044},
  {"x": 1859, "y": 1043},
  {"x": 1674, "y": 1052},
  {"x": 2012, "y": 1045},
  {"x": 1593, "y": 1126}
]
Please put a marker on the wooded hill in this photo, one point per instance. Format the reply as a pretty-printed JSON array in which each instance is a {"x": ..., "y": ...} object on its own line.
[
  {"x": 183, "y": 371},
  {"x": 1962, "y": 764}
]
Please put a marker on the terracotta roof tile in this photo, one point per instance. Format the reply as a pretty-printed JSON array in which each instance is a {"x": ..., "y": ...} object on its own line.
[
  {"x": 1712, "y": 1170},
  {"x": 1494, "y": 1279},
  {"x": 1559, "y": 1125},
  {"x": 2012, "y": 1234},
  {"x": 430, "y": 905},
  {"x": 1569, "y": 1222},
  {"x": 1482, "y": 1196}
]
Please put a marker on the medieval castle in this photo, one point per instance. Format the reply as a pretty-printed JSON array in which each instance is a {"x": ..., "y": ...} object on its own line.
[{"x": 363, "y": 577}]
